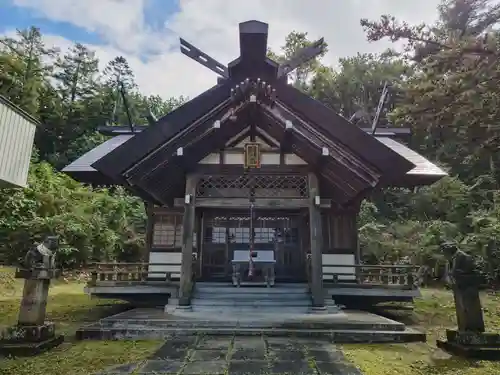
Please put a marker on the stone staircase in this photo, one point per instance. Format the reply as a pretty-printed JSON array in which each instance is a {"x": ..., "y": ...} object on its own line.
[
  {"x": 221, "y": 309},
  {"x": 223, "y": 298}
]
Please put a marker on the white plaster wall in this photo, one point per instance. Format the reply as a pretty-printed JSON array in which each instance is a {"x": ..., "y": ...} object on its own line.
[
  {"x": 263, "y": 144},
  {"x": 175, "y": 258},
  {"x": 341, "y": 260},
  {"x": 238, "y": 158},
  {"x": 270, "y": 158},
  {"x": 292, "y": 159},
  {"x": 234, "y": 158}
]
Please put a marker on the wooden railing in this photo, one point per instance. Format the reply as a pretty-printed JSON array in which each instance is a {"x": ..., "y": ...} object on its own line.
[
  {"x": 129, "y": 272},
  {"x": 134, "y": 273},
  {"x": 402, "y": 275}
]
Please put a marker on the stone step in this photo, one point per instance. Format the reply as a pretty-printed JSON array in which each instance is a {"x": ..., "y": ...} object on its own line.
[
  {"x": 254, "y": 324},
  {"x": 231, "y": 290},
  {"x": 246, "y": 295},
  {"x": 250, "y": 285},
  {"x": 253, "y": 307},
  {"x": 250, "y": 309},
  {"x": 336, "y": 336},
  {"x": 249, "y": 302}
]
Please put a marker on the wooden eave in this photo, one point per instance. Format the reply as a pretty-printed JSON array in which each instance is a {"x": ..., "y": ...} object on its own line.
[
  {"x": 344, "y": 181},
  {"x": 166, "y": 179},
  {"x": 344, "y": 156},
  {"x": 163, "y": 176},
  {"x": 389, "y": 163},
  {"x": 122, "y": 158},
  {"x": 144, "y": 166}
]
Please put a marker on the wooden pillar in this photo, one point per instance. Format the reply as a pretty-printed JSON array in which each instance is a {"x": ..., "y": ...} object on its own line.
[
  {"x": 198, "y": 232},
  {"x": 316, "y": 242},
  {"x": 188, "y": 222},
  {"x": 149, "y": 230},
  {"x": 355, "y": 238}
]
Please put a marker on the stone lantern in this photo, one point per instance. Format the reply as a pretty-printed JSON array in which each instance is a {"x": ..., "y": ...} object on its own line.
[{"x": 32, "y": 334}]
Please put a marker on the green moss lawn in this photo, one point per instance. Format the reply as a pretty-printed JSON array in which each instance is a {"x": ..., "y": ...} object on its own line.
[
  {"x": 69, "y": 308},
  {"x": 433, "y": 313}
]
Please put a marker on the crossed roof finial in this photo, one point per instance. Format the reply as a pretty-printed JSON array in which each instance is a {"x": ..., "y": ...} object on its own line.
[{"x": 253, "y": 49}]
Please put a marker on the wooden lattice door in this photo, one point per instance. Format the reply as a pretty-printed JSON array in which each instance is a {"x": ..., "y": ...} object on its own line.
[{"x": 227, "y": 231}]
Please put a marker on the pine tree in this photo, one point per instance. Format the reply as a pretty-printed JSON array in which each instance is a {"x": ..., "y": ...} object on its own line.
[
  {"x": 26, "y": 64},
  {"x": 76, "y": 74}
]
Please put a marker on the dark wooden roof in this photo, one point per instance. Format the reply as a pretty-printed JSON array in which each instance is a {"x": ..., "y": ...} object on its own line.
[
  {"x": 423, "y": 173},
  {"x": 357, "y": 161},
  {"x": 117, "y": 162}
]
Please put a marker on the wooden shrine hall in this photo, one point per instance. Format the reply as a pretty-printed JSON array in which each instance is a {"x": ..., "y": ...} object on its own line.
[{"x": 252, "y": 182}]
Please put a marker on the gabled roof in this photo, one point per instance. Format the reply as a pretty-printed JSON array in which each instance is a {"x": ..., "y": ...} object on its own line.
[
  {"x": 350, "y": 160},
  {"x": 423, "y": 173},
  {"x": 166, "y": 127}
]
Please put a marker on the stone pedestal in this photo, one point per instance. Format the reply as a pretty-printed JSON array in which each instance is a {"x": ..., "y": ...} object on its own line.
[
  {"x": 477, "y": 345},
  {"x": 34, "y": 302},
  {"x": 470, "y": 339},
  {"x": 29, "y": 340},
  {"x": 468, "y": 305},
  {"x": 32, "y": 334}
]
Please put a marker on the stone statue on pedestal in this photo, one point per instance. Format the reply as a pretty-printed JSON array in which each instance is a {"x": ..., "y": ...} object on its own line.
[
  {"x": 465, "y": 282},
  {"x": 469, "y": 340},
  {"x": 32, "y": 334}
]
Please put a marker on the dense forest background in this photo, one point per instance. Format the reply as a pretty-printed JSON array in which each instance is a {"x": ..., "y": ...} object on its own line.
[{"x": 445, "y": 85}]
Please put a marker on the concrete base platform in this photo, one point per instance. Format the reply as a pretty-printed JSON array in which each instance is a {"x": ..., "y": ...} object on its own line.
[
  {"x": 28, "y": 349},
  {"x": 470, "y": 351},
  {"x": 343, "y": 327}
]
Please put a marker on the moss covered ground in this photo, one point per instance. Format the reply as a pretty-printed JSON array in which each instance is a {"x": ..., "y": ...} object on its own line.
[
  {"x": 69, "y": 308},
  {"x": 434, "y": 312}
]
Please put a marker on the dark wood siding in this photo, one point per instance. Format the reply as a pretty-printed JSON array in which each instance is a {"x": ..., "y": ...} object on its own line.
[{"x": 340, "y": 233}]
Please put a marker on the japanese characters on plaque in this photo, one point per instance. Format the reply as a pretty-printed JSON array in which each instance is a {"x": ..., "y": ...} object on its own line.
[{"x": 252, "y": 155}]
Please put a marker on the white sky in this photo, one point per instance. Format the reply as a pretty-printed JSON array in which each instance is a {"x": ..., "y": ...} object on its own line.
[{"x": 212, "y": 25}]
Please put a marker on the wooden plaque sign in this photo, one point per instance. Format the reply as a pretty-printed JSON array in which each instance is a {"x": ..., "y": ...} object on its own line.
[{"x": 252, "y": 155}]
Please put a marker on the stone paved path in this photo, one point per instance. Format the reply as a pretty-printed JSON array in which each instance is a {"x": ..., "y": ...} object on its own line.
[{"x": 241, "y": 356}]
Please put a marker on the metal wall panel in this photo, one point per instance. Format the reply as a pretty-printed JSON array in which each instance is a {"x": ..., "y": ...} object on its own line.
[{"x": 17, "y": 133}]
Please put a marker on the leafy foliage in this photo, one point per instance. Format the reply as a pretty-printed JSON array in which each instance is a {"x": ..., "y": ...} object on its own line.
[
  {"x": 71, "y": 98},
  {"x": 443, "y": 85},
  {"x": 448, "y": 102},
  {"x": 93, "y": 224}
]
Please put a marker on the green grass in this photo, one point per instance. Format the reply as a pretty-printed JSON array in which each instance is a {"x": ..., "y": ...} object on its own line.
[
  {"x": 69, "y": 308},
  {"x": 434, "y": 313}
]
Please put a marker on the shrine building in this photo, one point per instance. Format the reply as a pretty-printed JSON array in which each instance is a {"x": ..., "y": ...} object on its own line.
[{"x": 254, "y": 172}]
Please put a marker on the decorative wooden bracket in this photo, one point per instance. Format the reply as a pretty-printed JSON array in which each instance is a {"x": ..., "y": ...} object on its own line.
[{"x": 254, "y": 91}]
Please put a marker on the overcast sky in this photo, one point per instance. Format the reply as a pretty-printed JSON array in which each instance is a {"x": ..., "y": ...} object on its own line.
[{"x": 147, "y": 32}]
